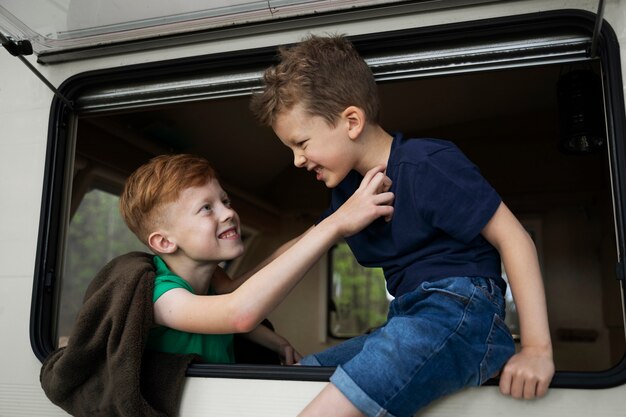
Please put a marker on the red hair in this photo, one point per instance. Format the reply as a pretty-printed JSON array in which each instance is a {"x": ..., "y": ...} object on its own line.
[{"x": 157, "y": 183}]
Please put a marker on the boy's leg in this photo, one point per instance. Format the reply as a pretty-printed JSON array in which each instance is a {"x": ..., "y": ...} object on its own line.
[
  {"x": 330, "y": 402},
  {"x": 440, "y": 338}
]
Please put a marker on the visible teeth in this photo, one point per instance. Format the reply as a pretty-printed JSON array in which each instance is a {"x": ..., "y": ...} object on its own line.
[{"x": 228, "y": 234}]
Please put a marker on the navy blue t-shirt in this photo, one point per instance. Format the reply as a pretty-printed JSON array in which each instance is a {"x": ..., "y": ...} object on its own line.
[{"x": 441, "y": 204}]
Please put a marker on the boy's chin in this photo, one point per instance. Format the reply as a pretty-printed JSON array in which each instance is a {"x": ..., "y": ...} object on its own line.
[
  {"x": 332, "y": 182},
  {"x": 238, "y": 253}
]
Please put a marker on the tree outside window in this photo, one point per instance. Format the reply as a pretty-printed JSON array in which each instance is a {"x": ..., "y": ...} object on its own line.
[{"x": 358, "y": 298}]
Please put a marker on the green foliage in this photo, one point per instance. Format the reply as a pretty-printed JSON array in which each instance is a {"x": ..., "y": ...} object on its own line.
[
  {"x": 97, "y": 234},
  {"x": 358, "y": 295}
]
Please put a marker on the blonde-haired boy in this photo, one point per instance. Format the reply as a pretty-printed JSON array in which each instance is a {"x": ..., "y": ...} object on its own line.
[{"x": 440, "y": 253}]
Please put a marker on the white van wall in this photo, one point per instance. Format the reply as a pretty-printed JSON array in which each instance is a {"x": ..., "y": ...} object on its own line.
[
  {"x": 24, "y": 112},
  {"x": 24, "y": 108}
]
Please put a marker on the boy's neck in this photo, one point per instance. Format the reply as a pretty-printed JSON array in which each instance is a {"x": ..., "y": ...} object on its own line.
[
  {"x": 197, "y": 274},
  {"x": 375, "y": 143}
]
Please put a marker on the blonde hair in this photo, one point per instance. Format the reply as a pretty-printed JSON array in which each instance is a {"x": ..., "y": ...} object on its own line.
[
  {"x": 325, "y": 74},
  {"x": 156, "y": 183}
]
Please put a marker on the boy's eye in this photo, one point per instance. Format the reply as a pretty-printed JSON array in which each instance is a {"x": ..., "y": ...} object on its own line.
[
  {"x": 226, "y": 202},
  {"x": 206, "y": 207}
]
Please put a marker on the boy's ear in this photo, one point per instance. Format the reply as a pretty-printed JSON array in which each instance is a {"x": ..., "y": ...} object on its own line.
[
  {"x": 160, "y": 243},
  {"x": 355, "y": 118}
]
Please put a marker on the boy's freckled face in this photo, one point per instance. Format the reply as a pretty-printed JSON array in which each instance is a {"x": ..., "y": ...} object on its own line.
[
  {"x": 203, "y": 224},
  {"x": 317, "y": 146}
]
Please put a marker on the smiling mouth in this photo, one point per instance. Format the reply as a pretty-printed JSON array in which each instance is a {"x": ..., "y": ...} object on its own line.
[{"x": 229, "y": 234}]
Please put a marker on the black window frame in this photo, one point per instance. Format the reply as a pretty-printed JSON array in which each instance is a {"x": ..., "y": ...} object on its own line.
[{"x": 61, "y": 125}]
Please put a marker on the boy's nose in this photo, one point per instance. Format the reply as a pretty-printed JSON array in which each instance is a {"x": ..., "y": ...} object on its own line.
[
  {"x": 227, "y": 213},
  {"x": 299, "y": 160}
]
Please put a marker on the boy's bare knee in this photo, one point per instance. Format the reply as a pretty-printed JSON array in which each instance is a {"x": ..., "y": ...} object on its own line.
[{"x": 330, "y": 402}]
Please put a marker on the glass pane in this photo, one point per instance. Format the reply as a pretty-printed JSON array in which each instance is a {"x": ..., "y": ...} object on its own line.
[
  {"x": 358, "y": 296},
  {"x": 97, "y": 234}
]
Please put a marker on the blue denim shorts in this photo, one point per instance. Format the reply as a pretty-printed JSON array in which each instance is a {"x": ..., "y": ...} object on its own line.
[{"x": 443, "y": 336}]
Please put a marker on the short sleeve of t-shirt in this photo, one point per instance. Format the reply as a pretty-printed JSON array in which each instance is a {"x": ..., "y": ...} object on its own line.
[
  {"x": 213, "y": 348},
  {"x": 165, "y": 281},
  {"x": 453, "y": 195}
]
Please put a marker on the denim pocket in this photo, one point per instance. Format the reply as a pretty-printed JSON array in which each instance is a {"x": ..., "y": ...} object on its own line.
[
  {"x": 500, "y": 347},
  {"x": 491, "y": 291}
]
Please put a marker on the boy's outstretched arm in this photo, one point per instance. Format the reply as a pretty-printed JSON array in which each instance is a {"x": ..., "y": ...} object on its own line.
[
  {"x": 243, "y": 309},
  {"x": 528, "y": 373},
  {"x": 224, "y": 284}
]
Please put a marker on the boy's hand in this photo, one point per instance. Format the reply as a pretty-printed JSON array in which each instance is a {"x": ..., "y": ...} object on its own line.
[
  {"x": 528, "y": 373},
  {"x": 288, "y": 354},
  {"x": 370, "y": 201}
]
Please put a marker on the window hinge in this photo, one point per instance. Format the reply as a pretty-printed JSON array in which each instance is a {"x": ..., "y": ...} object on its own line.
[{"x": 20, "y": 49}]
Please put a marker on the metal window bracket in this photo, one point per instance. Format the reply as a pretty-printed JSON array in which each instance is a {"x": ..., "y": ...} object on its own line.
[{"x": 23, "y": 47}]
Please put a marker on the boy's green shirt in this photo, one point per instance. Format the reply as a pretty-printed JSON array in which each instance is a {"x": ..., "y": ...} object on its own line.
[{"x": 213, "y": 348}]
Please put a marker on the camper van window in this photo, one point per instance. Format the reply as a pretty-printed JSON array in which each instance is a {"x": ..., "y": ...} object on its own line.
[{"x": 508, "y": 95}]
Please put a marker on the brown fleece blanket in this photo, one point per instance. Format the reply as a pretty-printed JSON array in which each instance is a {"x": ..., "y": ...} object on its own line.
[{"x": 104, "y": 370}]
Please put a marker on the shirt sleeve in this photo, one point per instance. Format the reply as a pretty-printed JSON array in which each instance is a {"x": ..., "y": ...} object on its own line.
[
  {"x": 163, "y": 284},
  {"x": 453, "y": 195}
]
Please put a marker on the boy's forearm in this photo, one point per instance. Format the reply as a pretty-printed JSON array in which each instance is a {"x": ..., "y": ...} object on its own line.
[
  {"x": 524, "y": 276},
  {"x": 521, "y": 264},
  {"x": 260, "y": 295},
  {"x": 244, "y": 277},
  {"x": 255, "y": 298},
  {"x": 224, "y": 284},
  {"x": 528, "y": 373}
]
